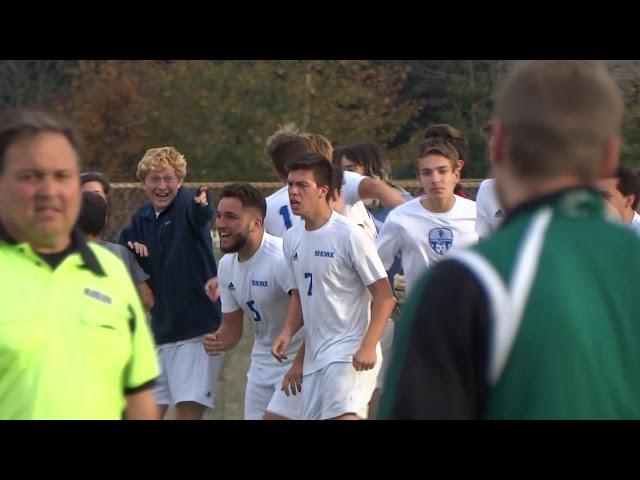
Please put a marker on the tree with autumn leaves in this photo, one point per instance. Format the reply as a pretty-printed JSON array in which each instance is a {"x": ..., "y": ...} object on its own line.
[{"x": 219, "y": 113}]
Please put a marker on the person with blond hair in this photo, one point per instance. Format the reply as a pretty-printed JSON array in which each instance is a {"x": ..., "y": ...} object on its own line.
[{"x": 171, "y": 238}]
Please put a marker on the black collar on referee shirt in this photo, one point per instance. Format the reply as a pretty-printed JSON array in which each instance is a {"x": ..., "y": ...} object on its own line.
[{"x": 79, "y": 243}]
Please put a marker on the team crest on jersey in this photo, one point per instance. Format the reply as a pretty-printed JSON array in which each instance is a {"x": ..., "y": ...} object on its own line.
[
  {"x": 499, "y": 214},
  {"x": 440, "y": 239},
  {"x": 295, "y": 256},
  {"x": 231, "y": 287}
]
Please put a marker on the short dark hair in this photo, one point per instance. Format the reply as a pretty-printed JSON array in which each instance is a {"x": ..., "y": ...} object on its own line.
[
  {"x": 628, "y": 183},
  {"x": 285, "y": 144},
  {"x": 289, "y": 143},
  {"x": 16, "y": 124},
  {"x": 337, "y": 178},
  {"x": 249, "y": 196},
  {"x": 440, "y": 147},
  {"x": 319, "y": 165},
  {"x": 287, "y": 152},
  {"x": 369, "y": 155},
  {"x": 87, "y": 177},
  {"x": 453, "y": 136},
  {"x": 93, "y": 214}
]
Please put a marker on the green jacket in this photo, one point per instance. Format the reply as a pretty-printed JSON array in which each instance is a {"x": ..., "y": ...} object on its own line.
[{"x": 540, "y": 320}]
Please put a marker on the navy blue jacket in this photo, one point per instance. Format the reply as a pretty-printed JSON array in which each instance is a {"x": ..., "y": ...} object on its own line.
[{"x": 180, "y": 262}]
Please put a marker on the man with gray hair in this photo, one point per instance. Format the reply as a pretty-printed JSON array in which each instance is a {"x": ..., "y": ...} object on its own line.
[{"x": 539, "y": 321}]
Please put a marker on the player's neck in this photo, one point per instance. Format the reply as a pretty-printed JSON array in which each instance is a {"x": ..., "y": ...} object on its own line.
[
  {"x": 318, "y": 218},
  {"x": 94, "y": 238},
  {"x": 251, "y": 247},
  {"x": 437, "y": 204},
  {"x": 627, "y": 215},
  {"x": 514, "y": 191}
]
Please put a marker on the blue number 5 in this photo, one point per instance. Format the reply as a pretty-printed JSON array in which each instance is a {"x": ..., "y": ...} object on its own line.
[
  {"x": 284, "y": 211},
  {"x": 257, "y": 316},
  {"x": 310, "y": 277}
]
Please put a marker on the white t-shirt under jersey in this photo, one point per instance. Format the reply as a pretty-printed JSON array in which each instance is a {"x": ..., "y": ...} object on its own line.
[
  {"x": 490, "y": 214},
  {"x": 259, "y": 286},
  {"x": 635, "y": 222},
  {"x": 424, "y": 237},
  {"x": 279, "y": 216},
  {"x": 354, "y": 209},
  {"x": 332, "y": 267}
]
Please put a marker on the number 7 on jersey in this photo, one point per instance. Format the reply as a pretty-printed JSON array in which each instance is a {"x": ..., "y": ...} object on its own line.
[{"x": 310, "y": 277}]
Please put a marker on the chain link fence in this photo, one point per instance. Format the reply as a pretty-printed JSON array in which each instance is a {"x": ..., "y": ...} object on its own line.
[{"x": 126, "y": 198}]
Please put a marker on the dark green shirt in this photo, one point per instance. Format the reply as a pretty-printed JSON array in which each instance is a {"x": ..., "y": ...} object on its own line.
[{"x": 541, "y": 320}]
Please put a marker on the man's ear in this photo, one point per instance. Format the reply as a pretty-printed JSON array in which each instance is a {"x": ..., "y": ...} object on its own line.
[
  {"x": 628, "y": 200},
  {"x": 323, "y": 191}
]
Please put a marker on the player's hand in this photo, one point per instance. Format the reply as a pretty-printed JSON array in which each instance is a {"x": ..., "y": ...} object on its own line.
[
  {"x": 140, "y": 249},
  {"x": 213, "y": 344},
  {"x": 365, "y": 358},
  {"x": 293, "y": 379},
  {"x": 279, "y": 347},
  {"x": 212, "y": 289},
  {"x": 201, "y": 197}
]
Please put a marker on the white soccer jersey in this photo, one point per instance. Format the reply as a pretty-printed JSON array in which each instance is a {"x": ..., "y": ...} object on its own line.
[
  {"x": 490, "y": 213},
  {"x": 332, "y": 267},
  {"x": 279, "y": 216},
  {"x": 423, "y": 237},
  {"x": 354, "y": 209},
  {"x": 259, "y": 286}
]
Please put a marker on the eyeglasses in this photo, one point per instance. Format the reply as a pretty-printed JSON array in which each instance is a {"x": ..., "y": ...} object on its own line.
[{"x": 155, "y": 179}]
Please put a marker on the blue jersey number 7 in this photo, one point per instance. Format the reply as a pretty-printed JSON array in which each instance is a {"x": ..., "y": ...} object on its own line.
[{"x": 310, "y": 277}]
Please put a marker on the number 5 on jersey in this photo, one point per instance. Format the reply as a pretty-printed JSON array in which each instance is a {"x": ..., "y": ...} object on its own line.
[{"x": 256, "y": 314}]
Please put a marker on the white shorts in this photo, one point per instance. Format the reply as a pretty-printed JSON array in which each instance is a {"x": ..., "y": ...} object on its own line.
[
  {"x": 187, "y": 373},
  {"x": 264, "y": 396},
  {"x": 385, "y": 345},
  {"x": 337, "y": 389}
]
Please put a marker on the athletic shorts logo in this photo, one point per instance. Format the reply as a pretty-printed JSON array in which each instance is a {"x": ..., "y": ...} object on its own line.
[
  {"x": 440, "y": 240},
  {"x": 231, "y": 287}
]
